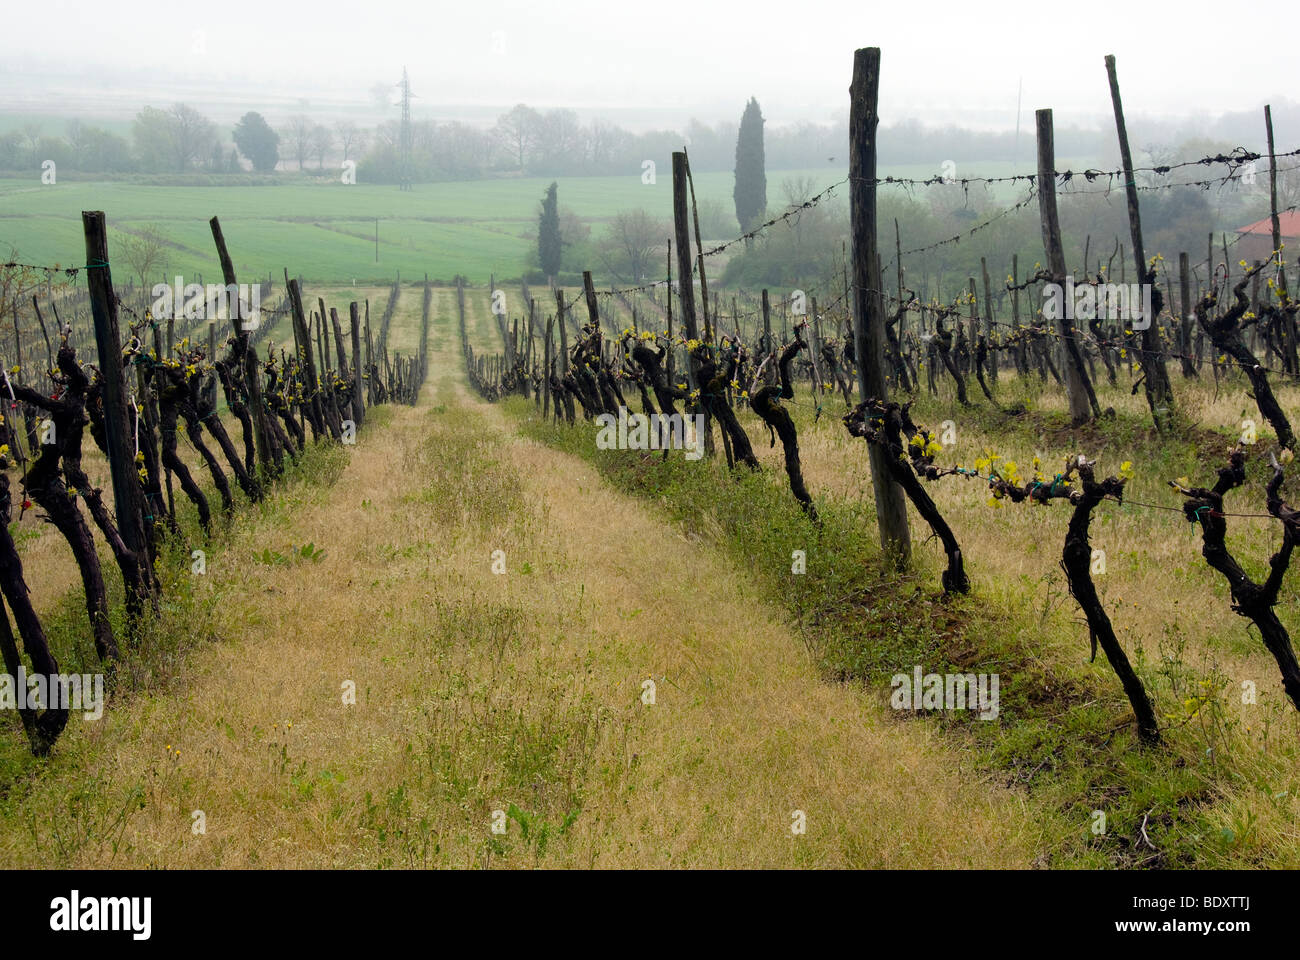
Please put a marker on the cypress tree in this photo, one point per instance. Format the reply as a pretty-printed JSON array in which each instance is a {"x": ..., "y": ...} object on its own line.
[
  {"x": 549, "y": 244},
  {"x": 257, "y": 141},
  {"x": 750, "y": 192}
]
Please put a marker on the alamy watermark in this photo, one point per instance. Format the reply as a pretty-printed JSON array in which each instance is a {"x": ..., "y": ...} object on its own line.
[
  {"x": 73, "y": 913},
  {"x": 195, "y": 301},
  {"x": 58, "y": 691},
  {"x": 1129, "y": 303},
  {"x": 946, "y": 691},
  {"x": 658, "y": 431}
]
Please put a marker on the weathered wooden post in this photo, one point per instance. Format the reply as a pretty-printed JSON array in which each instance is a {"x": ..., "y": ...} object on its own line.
[
  {"x": 898, "y": 263},
  {"x": 699, "y": 246},
  {"x": 1185, "y": 322},
  {"x": 248, "y": 356},
  {"x": 815, "y": 341},
  {"x": 988, "y": 322},
  {"x": 546, "y": 369},
  {"x": 589, "y": 291},
  {"x": 322, "y": 342},
  {"x": 312, "y": 400},
  {"x": 1159, "y": 389},
  {"x": 371, "y": 393},
  {"x": 1290, "y": 333},
  {"x": 128, "y": 500},
  {"x": 530, "y": 361},
  {"x": 868, "y": 309},
  {"x": 685, "y": 288},
  {"x": 973, "y": 324},
  {"x": 339, "y": 352},
  {"x": 564, "y": 337},
  {"x": 686, "y": 297},
  {"x": 358, "y": 402},
  {"x": 1077, "y": 387},
  {"x": 767, "y": 323}
]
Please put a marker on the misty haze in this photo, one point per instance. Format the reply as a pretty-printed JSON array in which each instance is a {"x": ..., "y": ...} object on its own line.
[{"x": 595, "y": 436}]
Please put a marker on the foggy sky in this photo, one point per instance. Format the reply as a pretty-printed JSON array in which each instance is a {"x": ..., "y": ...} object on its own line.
[{"x": 657, "y": 63}]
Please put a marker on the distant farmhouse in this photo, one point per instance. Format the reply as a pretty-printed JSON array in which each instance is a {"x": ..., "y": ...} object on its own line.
[{"x": 1256, "y": 241}]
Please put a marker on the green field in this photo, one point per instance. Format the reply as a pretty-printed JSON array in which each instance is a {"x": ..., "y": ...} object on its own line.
[{"x": 326, "y": 231}]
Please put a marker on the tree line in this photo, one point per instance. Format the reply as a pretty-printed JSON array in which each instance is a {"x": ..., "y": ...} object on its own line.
[{"x": 180, "y": 139}]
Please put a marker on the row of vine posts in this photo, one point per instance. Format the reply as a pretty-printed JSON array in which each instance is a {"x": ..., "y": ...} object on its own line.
[
  {"x": 134, "y": 397},
  {"x": 712, "y": 371}
]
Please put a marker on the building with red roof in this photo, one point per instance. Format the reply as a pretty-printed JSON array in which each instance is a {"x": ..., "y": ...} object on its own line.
[{"x": 1256, "y": 241}]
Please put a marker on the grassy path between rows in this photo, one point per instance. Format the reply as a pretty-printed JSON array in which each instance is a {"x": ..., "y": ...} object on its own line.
[{"x": 520, "y": 692}]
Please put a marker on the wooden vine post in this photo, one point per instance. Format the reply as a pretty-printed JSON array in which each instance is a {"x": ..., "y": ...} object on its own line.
[
  {"x": 1077, "y": 387},
  {"x": 1185, "y": 321},
  {"x": 1290, "y": 359},
  {"x": 686, "y": 289},
  {"x": 767, "y": 323},
  {"x": 248, "y": 357},
  {"x": 1159, "y": 390},
  {"x": 358, "y": 401},
  {"x": 128, "y": 499},
  {"x": 868, "y": 309}
]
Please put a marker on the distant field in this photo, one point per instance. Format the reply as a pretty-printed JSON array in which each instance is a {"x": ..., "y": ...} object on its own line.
[{"x": 326, "y": 231}]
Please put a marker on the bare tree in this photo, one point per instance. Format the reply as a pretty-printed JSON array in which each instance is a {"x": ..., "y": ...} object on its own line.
[
  {"x": 717, "y": 221},
  {"x": 321, "y": 141},
  {"x": 78, "y": 138},
  {"x": 604, "y": 142},
  {"x": 32, "y": 135},
  {"x": 192, "y": 135},
  {"x": 798, "y": 190},
  {"x": 635, "y": 238},
  {"x": 559, "y": 137},
  {"x": 424, "y": 134},
  {"x": 518, "y": 131},
  {"x": 146, "y": 253},
  {"x": 298, "y": 135},
  {"x": 350, "y": 137},
  {"x": 17, "y": 284}
]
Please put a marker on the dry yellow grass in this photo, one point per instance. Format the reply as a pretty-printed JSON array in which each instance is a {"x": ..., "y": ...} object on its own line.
[
  {"x": 476, "y": 692},
  {"x": 1156, "y": 584},
  {"x": 522, "y": 692}
]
